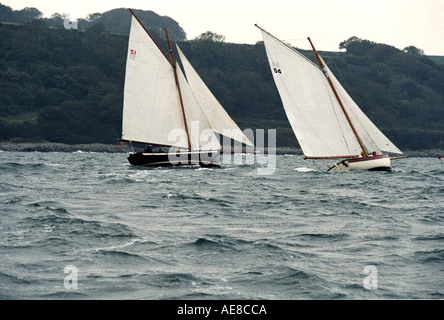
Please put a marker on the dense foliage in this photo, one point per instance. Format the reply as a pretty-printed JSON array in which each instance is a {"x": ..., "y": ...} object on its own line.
[
  {"x": 402, "y": 91},
  {"x": 66, "y": 86},
  {"x": 116, "y": 21}
]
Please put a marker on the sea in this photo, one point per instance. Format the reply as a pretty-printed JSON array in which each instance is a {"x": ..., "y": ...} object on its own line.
[{"x": 88, "y": 225}]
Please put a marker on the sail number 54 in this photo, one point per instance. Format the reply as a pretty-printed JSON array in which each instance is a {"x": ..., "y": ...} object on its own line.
[{"x": 277, "y": 70}]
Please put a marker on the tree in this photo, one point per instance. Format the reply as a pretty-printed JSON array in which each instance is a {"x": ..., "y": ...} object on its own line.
[
  {"x": 56, "y": 20},
  {"x": 30, "y": 14},
  {"x": 211, "y": 36},
  {"x": 6, "y": 13},
  {"x": 93, "y": 17},
  {"x": 413, "y": 50},
  {"x": 344, "y": 44},
  {"x": 25, "y": 15}
]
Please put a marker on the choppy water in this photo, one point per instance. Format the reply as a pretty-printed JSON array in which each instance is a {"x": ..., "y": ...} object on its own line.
[{"x": 124, "y": 232}]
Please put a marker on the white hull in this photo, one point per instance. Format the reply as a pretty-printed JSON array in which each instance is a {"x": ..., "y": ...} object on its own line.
[{"x": 375, "y": 163}]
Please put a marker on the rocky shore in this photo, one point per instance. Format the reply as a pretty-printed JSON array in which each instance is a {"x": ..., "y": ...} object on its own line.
[
  {"x": 115, "y": 148},
  {"x": 61, "y": 147}
]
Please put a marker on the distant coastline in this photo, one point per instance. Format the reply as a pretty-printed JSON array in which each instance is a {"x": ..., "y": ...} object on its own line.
[
  {"x": 115, "y": 148},
  {"x": 61, "y": 147}
]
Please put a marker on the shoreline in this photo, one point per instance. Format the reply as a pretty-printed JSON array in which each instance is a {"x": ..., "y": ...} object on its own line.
[
  {"x": 115, "y": 148},
  {"x": 61, "y": 147}
]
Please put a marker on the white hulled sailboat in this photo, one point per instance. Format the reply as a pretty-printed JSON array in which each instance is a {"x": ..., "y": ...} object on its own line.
[{"x": 326, "y": 121}]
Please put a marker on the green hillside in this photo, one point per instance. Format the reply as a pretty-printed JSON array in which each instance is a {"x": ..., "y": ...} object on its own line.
[
  {"x": 437, "y": 59},
  {"x": 66, "y": 86},
  {"x": 116, "y": 21}
]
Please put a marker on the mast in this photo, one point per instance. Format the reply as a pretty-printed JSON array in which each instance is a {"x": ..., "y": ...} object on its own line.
[
  {"x": 337, "y": 97},
  {"x": 173, "y": 63}
]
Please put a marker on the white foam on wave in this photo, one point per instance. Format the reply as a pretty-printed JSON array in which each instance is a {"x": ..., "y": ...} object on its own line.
[{"x": 304, "y": 169}]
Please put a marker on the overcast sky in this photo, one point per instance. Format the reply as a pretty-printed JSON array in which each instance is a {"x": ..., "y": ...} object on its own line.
[{"x": 399, "y": 23}]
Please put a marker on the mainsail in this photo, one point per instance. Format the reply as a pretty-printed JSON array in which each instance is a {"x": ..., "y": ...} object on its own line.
[
  {"x": 216, "y": 115},
  {"x": 151, "y": 106},
  {"x": 314, "y": 112}
]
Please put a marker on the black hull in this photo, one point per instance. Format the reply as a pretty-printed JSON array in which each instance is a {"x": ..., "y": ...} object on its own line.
[
  {"x": 387, "y": 169},
  {"x": 204, "y": 159}
]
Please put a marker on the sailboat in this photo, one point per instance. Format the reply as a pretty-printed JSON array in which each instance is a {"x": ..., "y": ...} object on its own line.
[
  {"x": 326, "y": 121},
  {"x": 160, "y": 108}
]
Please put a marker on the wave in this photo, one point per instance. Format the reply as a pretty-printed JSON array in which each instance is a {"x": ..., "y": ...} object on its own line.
[
  {"x": 116, "y": 248},
  {"x": 432, "y": 237},
  {"x": 200, "y": 295},
  {"x": 207, "y": 243},
  {"x": 436, "y": 255},
  {"x": 56, "y": 223},
  {"x": 114, "y": 253},
  {"x": 175, "y": 279},
  {"x": 305, "y": 169},
  {"x": 291, "y": 275},
  {"x": 7, "y": 278},
  {"x": 65, "y": 295},
  {"x": 19, "y": 165},
  {"x": 327, "y": 236},
  {"x": 224, "y": 201},
  {"x": 51, "y": 206},
  {"x": 221, "y": 243}
]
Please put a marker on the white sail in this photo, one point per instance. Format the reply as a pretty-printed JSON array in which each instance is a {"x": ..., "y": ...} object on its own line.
[
  {"x": 309, "y": 103},
  {"x": 202, "y": 136},
  {"x": 216, "y": 115},
  {"x": 314, "y": 113},
  {"x": 151, "y": 106}
]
